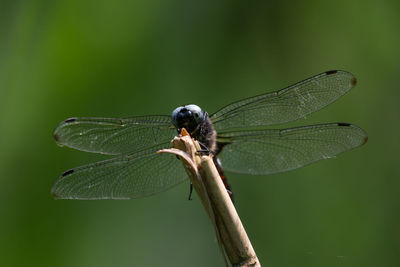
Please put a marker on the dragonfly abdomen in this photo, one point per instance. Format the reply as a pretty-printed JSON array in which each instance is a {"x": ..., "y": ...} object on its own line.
[{"x": 223, "y": 177}]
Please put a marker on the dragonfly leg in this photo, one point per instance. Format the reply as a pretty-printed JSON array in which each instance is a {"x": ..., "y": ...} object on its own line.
[
  {"x": 204, "y": 151},
  {"x": 190, "y": 191}
]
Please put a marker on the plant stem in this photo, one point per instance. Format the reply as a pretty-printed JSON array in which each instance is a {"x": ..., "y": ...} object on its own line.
[{"x": 231, "y": 235}]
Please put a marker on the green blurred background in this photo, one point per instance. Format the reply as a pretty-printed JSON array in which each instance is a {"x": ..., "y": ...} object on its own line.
[{"x": 122, "y": 58}]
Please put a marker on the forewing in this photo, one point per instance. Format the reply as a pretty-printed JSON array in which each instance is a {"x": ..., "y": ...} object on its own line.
[
  {"x": 273, "y": 151},
  {"x": 285, "y": 105},
  {"x": 129, "y": 176},
  {"x": 114, "y": 136}
]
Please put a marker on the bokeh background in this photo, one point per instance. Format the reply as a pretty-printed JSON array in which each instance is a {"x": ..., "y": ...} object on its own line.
[{"x": 122, "y": 58}]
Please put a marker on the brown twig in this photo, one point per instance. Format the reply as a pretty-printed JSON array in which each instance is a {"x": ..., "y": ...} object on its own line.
[{"x": 206, "y": 181}]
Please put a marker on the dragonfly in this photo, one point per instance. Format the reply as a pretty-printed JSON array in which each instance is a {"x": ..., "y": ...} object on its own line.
[{"x": 238, "y": 135}]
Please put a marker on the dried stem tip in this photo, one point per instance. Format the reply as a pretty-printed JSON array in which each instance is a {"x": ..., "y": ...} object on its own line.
[{"x": 206, "y": 181}]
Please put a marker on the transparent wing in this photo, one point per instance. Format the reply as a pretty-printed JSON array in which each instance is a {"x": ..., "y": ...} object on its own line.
[
  {"x": 272, "y": 151},
  {"x": 114, "y": 136},
  {"x": 129, "y": 176},
  {"x": 285, "y": 105}
]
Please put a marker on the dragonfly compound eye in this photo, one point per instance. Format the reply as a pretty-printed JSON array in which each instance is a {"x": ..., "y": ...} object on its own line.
[{"x": 188, "y": 116}]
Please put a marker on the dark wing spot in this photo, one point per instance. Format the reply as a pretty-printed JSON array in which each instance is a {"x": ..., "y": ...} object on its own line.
[
  {"x": 353, "y": 81},
  {"x": 344, "y": 124},
  {"x": 68, "y": 172},
  {"x": 220, "y": 146},
  {"x": 70, "y": 120},
  {"x": 56, "y": 137},
  {"x": 329, "y": 72},
  {"x": 53, "y": 194},
  {"x": 365, "y": 140}
]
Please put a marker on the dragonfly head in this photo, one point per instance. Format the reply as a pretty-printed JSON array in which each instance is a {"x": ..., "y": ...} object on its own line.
[{"x": 188, "y": 117}]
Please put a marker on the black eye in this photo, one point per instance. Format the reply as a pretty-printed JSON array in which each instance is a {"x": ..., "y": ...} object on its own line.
[{"x": 196, "y": 115}]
